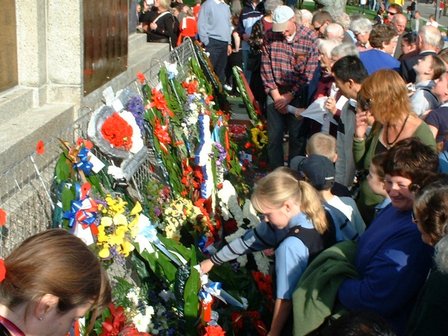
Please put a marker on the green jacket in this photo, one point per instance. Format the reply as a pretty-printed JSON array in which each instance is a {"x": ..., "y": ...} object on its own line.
[{"x": 316, "y": 293}]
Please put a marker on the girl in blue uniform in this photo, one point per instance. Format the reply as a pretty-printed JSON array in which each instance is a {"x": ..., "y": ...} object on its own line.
[{"x": 294, "y": 224}]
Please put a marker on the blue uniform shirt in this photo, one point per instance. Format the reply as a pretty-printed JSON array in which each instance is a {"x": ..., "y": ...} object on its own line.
[{"x": 291, "y": 259}]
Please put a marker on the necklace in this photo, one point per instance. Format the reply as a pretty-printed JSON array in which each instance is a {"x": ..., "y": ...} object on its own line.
[{"x": 390, "y": 144}]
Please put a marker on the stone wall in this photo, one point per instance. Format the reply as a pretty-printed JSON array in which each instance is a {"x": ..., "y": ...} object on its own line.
[{"x": 46, "y": 103}]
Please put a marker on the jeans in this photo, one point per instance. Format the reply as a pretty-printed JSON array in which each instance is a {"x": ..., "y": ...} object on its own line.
[
  {"x": 218, "y": 57},
  {"x": 277, "y": 124}
]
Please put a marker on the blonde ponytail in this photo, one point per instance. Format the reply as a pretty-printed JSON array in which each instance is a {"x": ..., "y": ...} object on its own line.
[{"x": 311, "y": 205}]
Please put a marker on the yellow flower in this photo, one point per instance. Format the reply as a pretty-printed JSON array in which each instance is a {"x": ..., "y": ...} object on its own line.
[
  {"x": 120, "y": 219},
  {"x": 127, "y": 247},
  {"x": 115, "y": 239},
  {"x": 106, "y": 221},
  {"x": 104, "y": 252},
  {"x": 137, "y": 209},
  {"x": 102, "y": 237}
]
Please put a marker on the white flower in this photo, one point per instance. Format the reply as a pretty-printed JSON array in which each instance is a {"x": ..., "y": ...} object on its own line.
[
  {"x": 143, "y": 322},
  {"x": 263, "y": 262},
  {"x": 133, "y": 297}
]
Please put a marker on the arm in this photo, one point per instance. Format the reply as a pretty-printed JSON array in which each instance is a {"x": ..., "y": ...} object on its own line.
[
  {"x": 434, "y": 130},
  {"x": 291, "y": 259},
  {"x": 282, "y": 310},
  {"x": 260, "y": 238},
  {"x": 202, "y": 23},
  {"x": 394, "y": 275}
]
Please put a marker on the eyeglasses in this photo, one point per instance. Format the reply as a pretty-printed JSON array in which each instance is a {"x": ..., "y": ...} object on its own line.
[
  {"x": 363, "y": 103},
  {"x": 391, "y": 13}
]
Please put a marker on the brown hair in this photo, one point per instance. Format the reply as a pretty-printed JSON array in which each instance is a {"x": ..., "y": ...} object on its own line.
[
  {"x": 387, "y": 95},
  {"x": 431, "y": 209},
  {"x": 380, "y": 34},
  {"x": 280, "y": 186},
  {"x": 412, "y": 159},
  {"x": 438, "y": 66},
  {"x": 378, "y": 162},
  {"x": 58, "y": 263}
]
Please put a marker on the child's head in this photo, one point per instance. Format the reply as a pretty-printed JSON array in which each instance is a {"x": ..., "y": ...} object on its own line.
[
  {"x": 431, "y": 211},
  {"x": 319, "y": 171},
  {"x": 430, "y": 66},
  {"x": 376, "y": 175},
  {"x": 322, "y": 144}
]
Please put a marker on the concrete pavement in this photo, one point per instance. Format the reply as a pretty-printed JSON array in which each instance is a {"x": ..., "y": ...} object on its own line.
[{"x": 428, "y": 9}]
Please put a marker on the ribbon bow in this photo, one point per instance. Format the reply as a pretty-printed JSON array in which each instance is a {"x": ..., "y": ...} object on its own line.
[
  {"x": 84, "y": 161},
  {"x": 83, "y": 209}
]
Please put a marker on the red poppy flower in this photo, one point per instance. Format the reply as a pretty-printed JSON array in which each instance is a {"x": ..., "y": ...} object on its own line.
[
  {"x": 40, "y": 147},
  {"x": 2, "y": 217},
  {"x": 191, "y": 87},
  {"x": 2, "y": 270},
  {"x": 141, "y": 77},
  {"x": 214, "y": 330}
]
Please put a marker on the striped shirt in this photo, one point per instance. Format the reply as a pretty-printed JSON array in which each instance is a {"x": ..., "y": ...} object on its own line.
[{"x": 286, "y": 65}]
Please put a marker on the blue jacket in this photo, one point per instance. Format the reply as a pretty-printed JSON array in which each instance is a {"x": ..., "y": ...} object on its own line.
[
  {"x": 375, "y": 60},
  {"x": 393, "y": 263}
]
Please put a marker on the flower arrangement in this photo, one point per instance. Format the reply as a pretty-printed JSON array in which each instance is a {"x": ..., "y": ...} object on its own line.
[
  {"x": 180, "y": 210},
  {"x": 117, "y": 132},
  {"x": 116, "y": 231}
]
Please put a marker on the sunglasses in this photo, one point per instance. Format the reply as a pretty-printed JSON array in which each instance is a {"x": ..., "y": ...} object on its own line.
[
  {"x": 363, "y": 103},
  {"x": 391, "y": 13},
  {"x": 317, "y": 28}
]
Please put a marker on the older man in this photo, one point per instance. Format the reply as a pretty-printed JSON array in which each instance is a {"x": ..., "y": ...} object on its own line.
[
  {"x": 399, "y": 22},
  {"x": 428, "y": 42},
  {"x": 288, "y": 64}
]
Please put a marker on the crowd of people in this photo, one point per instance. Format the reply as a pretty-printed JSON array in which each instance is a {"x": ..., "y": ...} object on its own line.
[
  {"x": 363, "y": 103},
  {"x": 369, "y": 170}
]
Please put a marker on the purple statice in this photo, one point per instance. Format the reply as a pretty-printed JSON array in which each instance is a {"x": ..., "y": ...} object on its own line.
[
  {"x": 135, "y": 106},
  {"x": 221, "y": 152}
]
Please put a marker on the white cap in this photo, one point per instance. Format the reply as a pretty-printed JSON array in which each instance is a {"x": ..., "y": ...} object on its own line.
[{"x": 280, "y": 18}]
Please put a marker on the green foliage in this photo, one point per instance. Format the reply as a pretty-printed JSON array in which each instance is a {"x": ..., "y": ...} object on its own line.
[{"x": 63, "y": 169}]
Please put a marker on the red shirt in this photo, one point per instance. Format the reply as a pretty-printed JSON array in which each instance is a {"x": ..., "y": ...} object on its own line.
[{"x": 188, "y": 27}]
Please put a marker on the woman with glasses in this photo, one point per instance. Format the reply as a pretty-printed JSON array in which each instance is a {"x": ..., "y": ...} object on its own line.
[
  {"x": 384, "y": 117},
  {"x": 391, "y": 259}
]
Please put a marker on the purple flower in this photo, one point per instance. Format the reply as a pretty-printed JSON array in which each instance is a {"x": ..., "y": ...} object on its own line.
[{"x": 135, "y": 106}]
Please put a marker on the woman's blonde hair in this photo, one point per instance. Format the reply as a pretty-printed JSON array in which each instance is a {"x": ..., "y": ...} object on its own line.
[
  {"x": 282, "y": 185},
  {"x": 387, "y": 95}
]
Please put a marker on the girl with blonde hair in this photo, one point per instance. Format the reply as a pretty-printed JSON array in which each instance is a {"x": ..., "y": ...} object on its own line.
[{"x": 294, "y": 224}]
